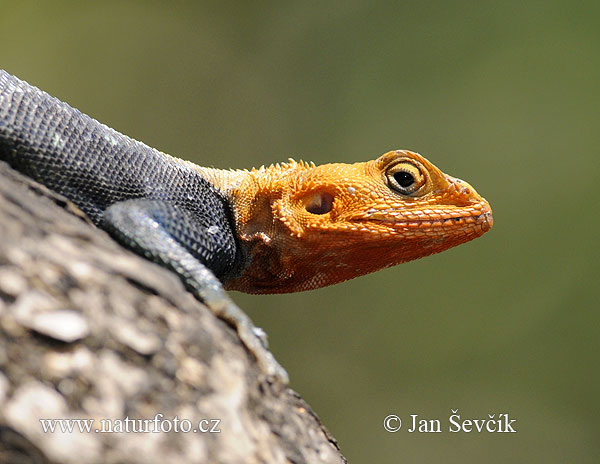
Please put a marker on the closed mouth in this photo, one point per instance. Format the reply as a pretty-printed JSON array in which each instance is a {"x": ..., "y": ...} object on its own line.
[{"x": 430, "y": 217}]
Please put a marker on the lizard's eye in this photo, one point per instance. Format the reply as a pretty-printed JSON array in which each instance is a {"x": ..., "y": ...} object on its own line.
[{"x": 405, "y": 178}]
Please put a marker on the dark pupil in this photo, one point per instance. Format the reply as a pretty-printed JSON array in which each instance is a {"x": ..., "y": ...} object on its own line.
[{"x": 404, "y": 179}]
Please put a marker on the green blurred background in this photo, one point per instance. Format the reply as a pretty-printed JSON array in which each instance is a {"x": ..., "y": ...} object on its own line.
[{"x": 502, "y": 94}]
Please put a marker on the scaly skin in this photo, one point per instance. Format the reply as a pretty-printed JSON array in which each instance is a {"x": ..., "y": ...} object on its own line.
[{"x": 305, "y": 226}]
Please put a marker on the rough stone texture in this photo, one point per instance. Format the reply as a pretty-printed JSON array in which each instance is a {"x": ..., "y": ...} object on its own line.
[{"x": 91, "y": 331}]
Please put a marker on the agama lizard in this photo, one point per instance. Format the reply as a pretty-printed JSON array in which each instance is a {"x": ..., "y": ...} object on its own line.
[{"x": 284, "y": 228}]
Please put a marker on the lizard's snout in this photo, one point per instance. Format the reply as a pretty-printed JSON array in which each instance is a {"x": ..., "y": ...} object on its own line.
[
  {"x": 466, "y": 195},
  {"x": 486, "y": 218}
]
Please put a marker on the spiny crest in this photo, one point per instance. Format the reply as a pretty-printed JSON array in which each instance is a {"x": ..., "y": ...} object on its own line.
[{"x": 290, "y": 164}]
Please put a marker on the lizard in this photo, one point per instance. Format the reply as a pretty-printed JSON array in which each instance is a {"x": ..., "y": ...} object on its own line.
[{"x": 288, "y": 227}]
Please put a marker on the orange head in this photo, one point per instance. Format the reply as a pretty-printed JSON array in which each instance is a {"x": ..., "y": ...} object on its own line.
[{"x": 304, "y": 226}]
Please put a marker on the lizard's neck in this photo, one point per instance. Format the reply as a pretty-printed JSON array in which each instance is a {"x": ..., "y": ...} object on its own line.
[
  {"x": 252, "y": 195},
  {"x": 256, "y": 198}
]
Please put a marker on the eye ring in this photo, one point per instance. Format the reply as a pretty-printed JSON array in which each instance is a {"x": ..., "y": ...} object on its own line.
[{"x": 405, "y": 178}]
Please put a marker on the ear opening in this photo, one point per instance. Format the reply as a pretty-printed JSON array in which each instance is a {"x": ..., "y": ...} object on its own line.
[{"x": 320, "y": 203}]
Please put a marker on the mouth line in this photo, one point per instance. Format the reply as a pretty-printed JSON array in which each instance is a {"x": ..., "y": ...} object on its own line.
[{"x": 428, "y": 222}]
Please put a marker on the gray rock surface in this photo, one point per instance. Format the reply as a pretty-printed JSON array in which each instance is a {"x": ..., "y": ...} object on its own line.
[{"x": 90, "y": 331}]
